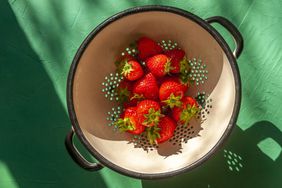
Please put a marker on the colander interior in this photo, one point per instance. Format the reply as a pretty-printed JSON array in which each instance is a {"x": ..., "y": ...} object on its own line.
[{"x": 189, "y": 144}]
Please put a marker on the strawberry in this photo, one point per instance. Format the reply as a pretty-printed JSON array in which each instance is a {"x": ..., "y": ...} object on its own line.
[
  {"x": 147, "y": 48},
  {"x": 176, "y": 56},
  {"x": 149, "y": 112},
  {"x": 121, "y": 60},
  {"x": 146, "y": 87},
  {"x": 188, "y": 110},
  {"x": 132, "y": 70},
  {"x": 161, "y": 132},
  {"x": 129, "y": 122},
  {"x": 167, "y": 127},
  {"x": 159, "y": 65},
  {"x": 172, "y": 91}
]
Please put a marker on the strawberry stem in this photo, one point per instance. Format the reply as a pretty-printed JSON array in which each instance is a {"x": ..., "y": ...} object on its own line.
[
  {"x": 173, "y": 101},
  {"x": 168, "y": 67},
  {"x": 119, "y": 65},
  {"x": 127, "y": 69},
  {"x": 137, "y": 96},
  {"x": 188, "y": 113},
  {"x": 152, "y": 118},
  {"x": 184, "y": 71},
  {"x": 153, "y": 134},
  {"x": 124, "y": 124}
]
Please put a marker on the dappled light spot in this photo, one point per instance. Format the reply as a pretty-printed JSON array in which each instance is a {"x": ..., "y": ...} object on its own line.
[
  {"x": 7, "y": 179},
  {"x": 270, "y": 148}
]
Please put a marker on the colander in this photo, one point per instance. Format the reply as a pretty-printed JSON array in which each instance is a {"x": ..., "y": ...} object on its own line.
[{"x": 191, "y": 146}]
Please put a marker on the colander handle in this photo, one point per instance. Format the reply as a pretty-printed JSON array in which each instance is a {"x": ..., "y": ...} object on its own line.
[
  {"x": 77, "y": 157},
  {"x": 237, "y": 37}
]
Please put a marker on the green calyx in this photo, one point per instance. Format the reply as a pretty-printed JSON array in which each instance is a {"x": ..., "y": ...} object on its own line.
[
  {"x": 152, "y": 118},
  {"x": 173, "y": 101},
  {"x": 188, "y": 113},
  {"x": 120, "y": 65},
  {"x": 168, "y": 67},
  {"x": 123, "y": 94},
  {"x": 184, "y": 71},
  {"x": 124, "y": 124},
  {"x": 127, "y": 69},
  {"x": 184, "y": 65},
  {"x": 153, "y": 134}
]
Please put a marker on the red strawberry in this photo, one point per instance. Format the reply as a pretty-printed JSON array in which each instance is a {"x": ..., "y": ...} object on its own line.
[
  {"x": 179, "y": 64},
  {"x": 129, "y": 122},
  {"x": 161, "y": 132},
  {"x": 188, "y": 110},
  {"x": 147, "y": 48},
  {"x": 149, "y": 112},
  {"x": 146, "y": 87},
  {"x": 172, "y": 91},
  {"x": 121, "y": 60},
  {"x": 159, "y": 65},
  {"x": 176, "y": 56},
  {"x": 132, "y": 70},
  {"x": 167, "y": 127}
]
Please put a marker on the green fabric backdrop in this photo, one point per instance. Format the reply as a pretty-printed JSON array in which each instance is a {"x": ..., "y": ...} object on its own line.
[{"x": 38, "y": 41}]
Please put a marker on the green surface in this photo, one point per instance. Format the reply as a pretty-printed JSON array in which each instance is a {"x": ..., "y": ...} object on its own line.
[{"x": 38, "y": 41}]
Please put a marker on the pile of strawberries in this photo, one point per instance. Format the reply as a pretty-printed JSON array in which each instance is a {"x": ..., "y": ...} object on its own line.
[{"x": 154, "y": 95}]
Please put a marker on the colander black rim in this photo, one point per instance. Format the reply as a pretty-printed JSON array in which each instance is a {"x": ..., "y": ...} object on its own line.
[{"x": 120, "y": 15}]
